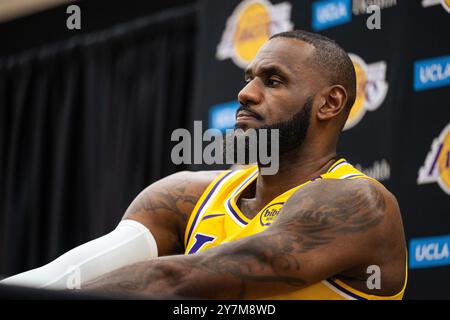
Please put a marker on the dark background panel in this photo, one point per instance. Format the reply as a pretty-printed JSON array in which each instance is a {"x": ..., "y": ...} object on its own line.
[
  {"x": 50, "y": 25},
  {"x": 400, "y": 131},
  {"x": 86, "y": 125},
  {"x": 86, "y": 115}
]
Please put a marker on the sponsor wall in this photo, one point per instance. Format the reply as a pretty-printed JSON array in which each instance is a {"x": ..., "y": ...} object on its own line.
[{"x": 399, "y": 127}]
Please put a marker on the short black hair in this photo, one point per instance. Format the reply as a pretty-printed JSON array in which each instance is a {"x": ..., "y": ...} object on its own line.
[{"x": 331, "y": 58}]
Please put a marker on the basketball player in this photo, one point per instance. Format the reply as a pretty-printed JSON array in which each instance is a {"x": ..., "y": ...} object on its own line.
[{"x": 317, "y": 229}]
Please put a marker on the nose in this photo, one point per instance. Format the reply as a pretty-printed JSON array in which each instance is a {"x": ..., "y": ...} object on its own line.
[{"x": 251, "y": 94}]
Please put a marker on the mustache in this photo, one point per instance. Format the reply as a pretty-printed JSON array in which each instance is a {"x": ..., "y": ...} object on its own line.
[{"x": 247, "y": 109}]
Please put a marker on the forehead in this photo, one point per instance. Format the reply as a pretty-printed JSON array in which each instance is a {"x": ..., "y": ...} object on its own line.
[{"x": 289, "y": 54}]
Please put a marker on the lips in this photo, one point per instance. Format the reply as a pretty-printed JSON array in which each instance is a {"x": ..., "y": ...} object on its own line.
[{"x": 246, "y": 115}]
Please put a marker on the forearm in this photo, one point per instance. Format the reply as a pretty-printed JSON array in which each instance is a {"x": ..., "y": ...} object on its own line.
[
  {"x": 233, "y": 273},
  {"x": 167, "y": 277},
  {"x": 149, "y": 278},
  {"x": 129, "y": 242}
]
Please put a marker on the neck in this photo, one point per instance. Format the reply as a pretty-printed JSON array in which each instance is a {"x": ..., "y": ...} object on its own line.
[{"x": 294, "y": 169}]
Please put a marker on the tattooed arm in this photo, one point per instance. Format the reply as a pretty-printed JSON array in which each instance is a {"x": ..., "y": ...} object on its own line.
[
  {"x": 326, "y": 228},
  {"x": 164, "y": 207}
]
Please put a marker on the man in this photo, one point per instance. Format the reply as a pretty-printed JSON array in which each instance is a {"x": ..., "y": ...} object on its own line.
[{"x": 317, "y": 229}]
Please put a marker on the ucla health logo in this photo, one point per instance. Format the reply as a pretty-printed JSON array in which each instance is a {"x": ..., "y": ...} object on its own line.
[
  {"x": 444, "y": 3},
  {"x": 432, "y": 73},
  {"x": 429, "y": 252},
  {"x": 330, "y": 13},
  {"x": 371, "y": 88},
  {"x": 437, "y": 163},
  {"x": 249, "y": 27}
]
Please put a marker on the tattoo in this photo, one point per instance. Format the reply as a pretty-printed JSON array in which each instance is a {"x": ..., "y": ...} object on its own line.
[
  {"x": 169, "y": 203},
  {"x": 343, "y": 209},
  {"x": 169, "y": 200},
  {"x": 316, "y": 215}
]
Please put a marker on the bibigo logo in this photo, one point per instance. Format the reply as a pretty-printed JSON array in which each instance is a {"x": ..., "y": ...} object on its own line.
[
  {"x": 270, "y": 213},
  {"x": 249, "y": 27},
  {"x": 371, "y": 88},
  {"x": 437, "y": 163}
]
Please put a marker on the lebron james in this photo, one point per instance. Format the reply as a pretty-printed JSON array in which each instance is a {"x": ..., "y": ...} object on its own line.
[{"x": 317, "y": 229}]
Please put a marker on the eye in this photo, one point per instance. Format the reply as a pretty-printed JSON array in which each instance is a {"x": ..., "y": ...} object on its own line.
[{"x": 273, "y": 82}]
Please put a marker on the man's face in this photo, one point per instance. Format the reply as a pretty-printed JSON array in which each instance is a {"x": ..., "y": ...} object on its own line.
[
  {"x": 278, "y": 83},
  {"x": 279, "y": 91}
]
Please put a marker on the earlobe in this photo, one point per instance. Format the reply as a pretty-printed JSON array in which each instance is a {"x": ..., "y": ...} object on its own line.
[{"x": 334, "y": 101}]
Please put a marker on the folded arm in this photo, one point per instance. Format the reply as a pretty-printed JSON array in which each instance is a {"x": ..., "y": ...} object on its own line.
[
  {"x": 325, "y": 228},
  {"x": 153, "y": 225}
]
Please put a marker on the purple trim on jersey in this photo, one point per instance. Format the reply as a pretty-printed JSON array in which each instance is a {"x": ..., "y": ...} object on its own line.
[
  {"x": 235, "y": 214},
  {"x": 203, "y": 203},
  {"x": 213, "y": 216},
  {"x": 354, "y": 175},
  {"x": 351, "y": 294},
  {"x": 230, "y": 207},
  {"x": 335, "y": 165}
]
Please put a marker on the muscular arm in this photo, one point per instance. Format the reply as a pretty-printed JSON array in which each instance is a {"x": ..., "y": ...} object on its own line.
[
  {"x": 164, "y": 207},
  {"x": 324, "y": 229}
]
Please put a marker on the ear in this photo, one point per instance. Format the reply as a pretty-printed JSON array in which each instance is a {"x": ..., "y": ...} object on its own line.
[{"x": 333, "y": 101}]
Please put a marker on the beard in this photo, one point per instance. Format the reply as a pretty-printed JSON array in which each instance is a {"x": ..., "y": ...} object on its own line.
[{"x": 292, "y": 134}]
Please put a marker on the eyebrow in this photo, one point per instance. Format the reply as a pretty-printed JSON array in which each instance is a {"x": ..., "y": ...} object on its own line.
[{"x": 269, "y": 70}]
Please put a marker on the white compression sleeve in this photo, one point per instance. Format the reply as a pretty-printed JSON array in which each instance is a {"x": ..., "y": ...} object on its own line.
[{"x": 129, "y": 243}]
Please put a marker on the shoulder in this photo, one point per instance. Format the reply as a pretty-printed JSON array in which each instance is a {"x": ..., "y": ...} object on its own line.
[
  {"x": 164, "y": 207},
  {"x": 350, "y": 224},
  {"x": 181, "y": 188},
  {"x": 197, "y": 176},
  {"x": 198, "y": 180},
  {"x": 342, "y": 192},
  {"x": 348, "y": 206}
]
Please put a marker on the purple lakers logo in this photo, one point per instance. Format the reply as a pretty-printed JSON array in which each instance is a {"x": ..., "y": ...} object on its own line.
[
  {"x": 437, "y": 163},
  {"x": 270, "y": 213},
  {"x": 371, "y": 88}
]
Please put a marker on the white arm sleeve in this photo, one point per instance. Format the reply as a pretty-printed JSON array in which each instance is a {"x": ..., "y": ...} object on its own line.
[{"x": 129, "y": 243}]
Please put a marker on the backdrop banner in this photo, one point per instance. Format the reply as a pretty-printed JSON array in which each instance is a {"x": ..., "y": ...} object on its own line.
[{"x": 399, "y": 128}]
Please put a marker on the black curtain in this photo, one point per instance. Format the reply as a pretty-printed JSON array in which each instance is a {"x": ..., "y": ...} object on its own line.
[{"x": 84, "y": 126}]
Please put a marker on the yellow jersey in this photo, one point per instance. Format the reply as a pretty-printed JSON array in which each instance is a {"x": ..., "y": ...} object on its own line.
[{"x": 216, "y": 219}]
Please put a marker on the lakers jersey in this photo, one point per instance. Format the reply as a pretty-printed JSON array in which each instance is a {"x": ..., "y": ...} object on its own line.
[{"x": 216, "y": 218}]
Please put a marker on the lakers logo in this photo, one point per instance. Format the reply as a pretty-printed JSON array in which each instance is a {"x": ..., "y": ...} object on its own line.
[
  {"x": 371, "y": 88},
  {"x": 249, "y": 27},
  {"x": 444, "y": 3},
  {"x": 270, "y": 213},
  {"x": 437, "y": 163}
]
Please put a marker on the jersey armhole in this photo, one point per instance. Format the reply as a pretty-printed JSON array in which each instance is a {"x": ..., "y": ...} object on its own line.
[{"x": 193, "y": 218}]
